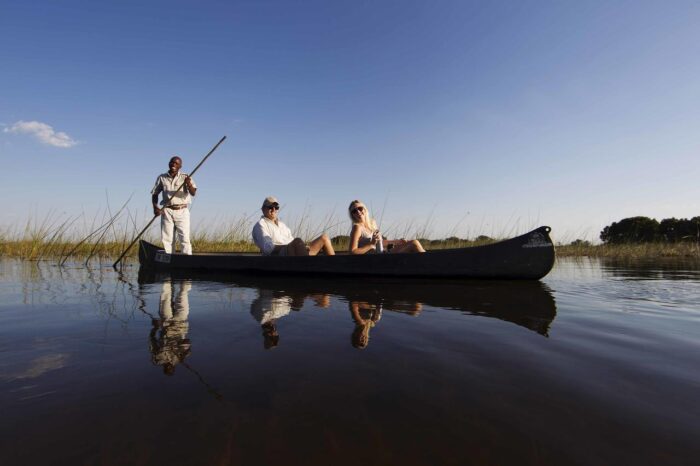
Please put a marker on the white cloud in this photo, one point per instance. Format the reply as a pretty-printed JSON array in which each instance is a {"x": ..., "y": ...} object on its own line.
[{"x": 43, "y": 132}]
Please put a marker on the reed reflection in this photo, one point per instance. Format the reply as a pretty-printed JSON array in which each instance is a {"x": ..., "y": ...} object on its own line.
[
  {"x": 168, "y": 341},
  {"x": 646, "y": 269}
]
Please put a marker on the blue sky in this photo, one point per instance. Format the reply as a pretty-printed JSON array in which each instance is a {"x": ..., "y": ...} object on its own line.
[{"x": 464, "y": 117}]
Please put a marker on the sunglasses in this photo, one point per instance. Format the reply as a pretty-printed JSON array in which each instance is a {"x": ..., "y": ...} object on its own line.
[
  {"x": 273, "y": 207},
  {"x": 357, "y": 209}
]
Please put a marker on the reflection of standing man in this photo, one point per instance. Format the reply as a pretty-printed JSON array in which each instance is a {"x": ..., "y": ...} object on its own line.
[
  {"x": 170, "y": 346},
  {"x": 176, "y": 215}
]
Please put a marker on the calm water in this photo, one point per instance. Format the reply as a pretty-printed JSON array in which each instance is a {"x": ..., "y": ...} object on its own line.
[{"x": 596, "y": 364}]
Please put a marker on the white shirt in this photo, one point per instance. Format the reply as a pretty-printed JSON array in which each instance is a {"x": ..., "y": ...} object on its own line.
[
  {"x": 268, "y": 307},
  {"x": 268, "y": 234},
  {"x": 169, "y": 185}
]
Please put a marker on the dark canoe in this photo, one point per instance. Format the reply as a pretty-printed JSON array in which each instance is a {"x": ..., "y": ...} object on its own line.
[{"x": 529, "y": 256}]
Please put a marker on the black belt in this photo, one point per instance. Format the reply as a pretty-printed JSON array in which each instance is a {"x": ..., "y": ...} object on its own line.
[{"x": 175, "y": 207}]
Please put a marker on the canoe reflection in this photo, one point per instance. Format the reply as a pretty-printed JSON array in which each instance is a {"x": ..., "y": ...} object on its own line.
[
  {"x": 168, "y": 342},
  {"x": 529, "y": 304}
]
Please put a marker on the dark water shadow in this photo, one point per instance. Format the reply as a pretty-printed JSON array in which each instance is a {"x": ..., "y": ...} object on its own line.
[{"x": 529, "y": 304}]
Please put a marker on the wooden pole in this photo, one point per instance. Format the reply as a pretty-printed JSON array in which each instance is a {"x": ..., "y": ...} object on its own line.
[{"x": 166, "y": 203}]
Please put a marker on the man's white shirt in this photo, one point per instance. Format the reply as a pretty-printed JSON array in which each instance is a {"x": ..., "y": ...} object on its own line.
[
  {"x": 269, "y": 307},
  {"x": 169, "y": 186},
  {"x": 267, "y": 234}
]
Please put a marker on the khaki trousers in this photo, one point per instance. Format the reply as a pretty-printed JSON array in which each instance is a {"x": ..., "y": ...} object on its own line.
[{"x": 175, "y": 224}]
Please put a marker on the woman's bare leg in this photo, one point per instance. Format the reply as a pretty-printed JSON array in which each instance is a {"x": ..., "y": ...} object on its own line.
[
  {"x": 417, "y": 246},
  {"x": 409, "y": 246}
]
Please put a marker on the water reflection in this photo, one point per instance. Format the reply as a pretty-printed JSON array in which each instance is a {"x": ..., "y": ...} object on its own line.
[
  {"x": 365, "y": 316},
  {"x": 656, "y": 269},
  {"x": 527, "y": 304},
  {"x": 459, "y": 366},
  {"x": 168, "y": 342},
  {"x": 266, "y": 309},
  {"x": 271, "y": 305}
]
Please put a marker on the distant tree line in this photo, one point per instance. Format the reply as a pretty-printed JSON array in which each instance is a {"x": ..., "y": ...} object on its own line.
[{"x": 645, "y": 229}]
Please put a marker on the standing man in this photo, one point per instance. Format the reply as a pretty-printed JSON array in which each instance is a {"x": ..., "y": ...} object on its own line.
[
  {"x": 275, "y": 238},
  {"x": 176, "y": 214}
]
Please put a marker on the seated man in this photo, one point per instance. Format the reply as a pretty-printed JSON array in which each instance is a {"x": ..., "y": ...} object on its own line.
[{"x": 274, "y": 237}]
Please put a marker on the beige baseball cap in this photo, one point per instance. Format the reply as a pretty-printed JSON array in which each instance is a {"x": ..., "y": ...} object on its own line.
[{"x": 269, "y": 200}]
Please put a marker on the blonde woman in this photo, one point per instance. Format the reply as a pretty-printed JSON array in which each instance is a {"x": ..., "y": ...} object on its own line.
[{"x": 364, "y": 235}]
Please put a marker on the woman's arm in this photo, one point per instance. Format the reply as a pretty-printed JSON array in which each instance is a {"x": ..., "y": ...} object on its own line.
[{"x": 355, "y": 313}]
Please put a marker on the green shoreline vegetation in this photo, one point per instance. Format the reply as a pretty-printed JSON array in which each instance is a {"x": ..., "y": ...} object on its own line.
[
  {"x": 38, "y": 248},
  {"x": 633, "y": 238}
]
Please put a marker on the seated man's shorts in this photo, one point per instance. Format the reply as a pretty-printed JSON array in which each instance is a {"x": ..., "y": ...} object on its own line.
[{"x": 283, "y": 251}]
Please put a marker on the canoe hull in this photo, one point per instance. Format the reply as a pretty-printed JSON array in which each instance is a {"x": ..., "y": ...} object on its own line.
[{"x": 529, "y": 256}]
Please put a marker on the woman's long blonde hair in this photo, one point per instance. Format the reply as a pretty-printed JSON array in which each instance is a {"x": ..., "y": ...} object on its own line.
[{"x": 371, "y": 224}]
